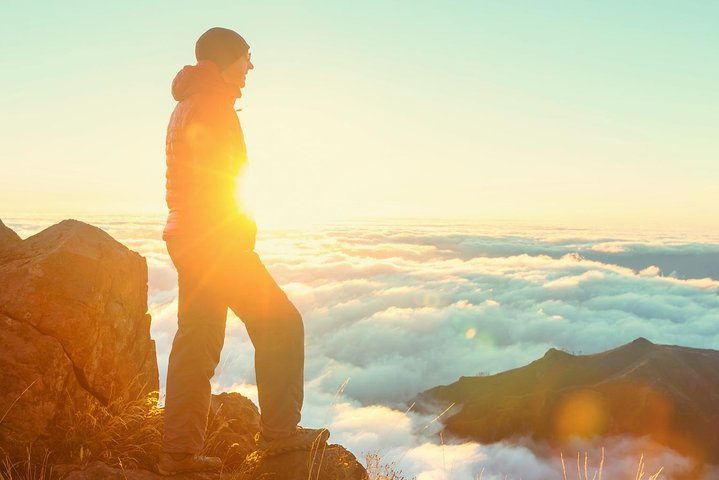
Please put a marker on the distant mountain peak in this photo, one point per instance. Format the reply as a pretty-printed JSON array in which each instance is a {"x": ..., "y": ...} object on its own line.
[
  {"x": 641, "y": 341},
  {"x": 667, "y": 392},
  {"x": 555, "y": 353}
]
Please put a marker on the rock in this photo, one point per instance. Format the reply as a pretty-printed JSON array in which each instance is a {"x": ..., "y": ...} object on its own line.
[
  {"x": 234, "y": 420},
  {"x": 8, "y": 238},
  {"x": 242, "y": 415},
  {"x": 39, "y": 384},
  {"x": 331, "y": 462},
  {"x": 75, "y": 328},
  {"x": 63, "y": 470},
  {"x": 100, "y": 471}
]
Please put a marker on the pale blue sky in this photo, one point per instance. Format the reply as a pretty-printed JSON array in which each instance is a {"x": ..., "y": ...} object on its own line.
[{"x": 545, "y": 111}]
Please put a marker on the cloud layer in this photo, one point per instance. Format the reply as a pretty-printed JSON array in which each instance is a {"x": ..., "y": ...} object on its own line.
[{"x": 391, "y": 311}]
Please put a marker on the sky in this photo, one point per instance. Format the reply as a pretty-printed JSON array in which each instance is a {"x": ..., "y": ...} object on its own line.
[
  {"x": 553, "y": 113},
  {"x": 442, "y": 188},
  {"x": 393, "y": 310}
]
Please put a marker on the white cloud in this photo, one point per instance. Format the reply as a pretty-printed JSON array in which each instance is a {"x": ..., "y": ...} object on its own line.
[
  {"x": 390, "y": 312},
  {"x": 609, "y": 247},
  {"x": 574, "y": 280}
]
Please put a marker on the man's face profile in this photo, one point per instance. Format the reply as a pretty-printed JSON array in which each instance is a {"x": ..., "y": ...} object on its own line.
[{"x": 236, "y": 72}]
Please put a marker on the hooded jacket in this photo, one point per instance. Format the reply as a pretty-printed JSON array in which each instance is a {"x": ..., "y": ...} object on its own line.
[{"x": 205, "y": 152}]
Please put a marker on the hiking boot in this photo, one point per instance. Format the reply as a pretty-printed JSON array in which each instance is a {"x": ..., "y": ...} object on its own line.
[
  {"x": 301, "y": 439},
  {"x": 172, "y": 463}
]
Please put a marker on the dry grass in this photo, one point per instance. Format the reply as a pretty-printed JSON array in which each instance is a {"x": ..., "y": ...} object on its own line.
[
  {"x": 382, "y": 471},
  {"x": 221, "y": 441},
  {"x": 126, "y": 433},
  {"x": 26, "y": 468},
  {"x": 123, "y": 434},
  {"x": 583, "y": 469}
]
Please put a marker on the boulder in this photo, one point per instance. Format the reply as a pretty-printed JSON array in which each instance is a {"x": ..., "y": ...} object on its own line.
[
  {"x": 234, "y": 420},
  {"x": 75, "y": 328}
]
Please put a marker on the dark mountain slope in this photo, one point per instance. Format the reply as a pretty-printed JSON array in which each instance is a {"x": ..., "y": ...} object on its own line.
[{"x": 670, "y": 393}]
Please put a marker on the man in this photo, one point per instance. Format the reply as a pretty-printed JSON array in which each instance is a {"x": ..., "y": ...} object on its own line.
[{"x": 211, "y": 243}]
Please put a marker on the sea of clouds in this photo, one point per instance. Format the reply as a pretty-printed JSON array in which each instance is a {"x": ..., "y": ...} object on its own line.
[{"x": 391, "y": 310}]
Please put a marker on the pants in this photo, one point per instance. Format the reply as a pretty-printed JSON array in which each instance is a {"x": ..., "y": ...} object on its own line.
[{"x": 213, "y": 276}]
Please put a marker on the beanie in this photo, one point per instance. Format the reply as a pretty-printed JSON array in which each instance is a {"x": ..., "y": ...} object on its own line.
[{"x": 221, "y": 45}]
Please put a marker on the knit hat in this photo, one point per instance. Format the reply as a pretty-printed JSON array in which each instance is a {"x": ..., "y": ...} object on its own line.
[{"x": 221, "y": 45}]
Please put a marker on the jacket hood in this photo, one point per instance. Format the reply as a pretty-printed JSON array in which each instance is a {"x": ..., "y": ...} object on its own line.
[{"x": 204, "y": 77}]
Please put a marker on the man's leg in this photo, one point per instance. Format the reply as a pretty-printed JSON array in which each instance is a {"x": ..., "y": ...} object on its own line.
[
  {"x": 277, "y": 333},
  {"x": 195, "y": 350}
]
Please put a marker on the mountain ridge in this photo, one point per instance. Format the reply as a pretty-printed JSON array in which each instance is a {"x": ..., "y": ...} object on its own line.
[{"x": 667, "y": 392}]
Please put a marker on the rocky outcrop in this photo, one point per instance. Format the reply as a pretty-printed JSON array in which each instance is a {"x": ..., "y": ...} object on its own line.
[
  {"x": 234, "y": 421},
  {"x": 75, "y": 350},
  {"x": 330, "y": 463},
  {"x": 74, "y": 328},
  {"x": 669, "y": 393}
]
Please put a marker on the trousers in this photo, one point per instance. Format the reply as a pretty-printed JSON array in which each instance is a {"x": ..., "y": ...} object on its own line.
[{"x": 212, "y": 276}]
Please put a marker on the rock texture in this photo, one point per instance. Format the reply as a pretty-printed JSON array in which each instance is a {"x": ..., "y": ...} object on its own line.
[
  {"x": 74, "y": 328},
  {"x": 8, "y": 238},
  {"x": 667, "y": 392},
  {"x": 234, "y": 421},
  {"x": 38, "y": 385},
  {"x": 330, "y": 462}
]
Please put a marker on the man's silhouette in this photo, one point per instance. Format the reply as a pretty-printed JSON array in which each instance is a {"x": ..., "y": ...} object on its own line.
[{"x": 211, "y": 243}]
